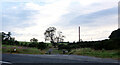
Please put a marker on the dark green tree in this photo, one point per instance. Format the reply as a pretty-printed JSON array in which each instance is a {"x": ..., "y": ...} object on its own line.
[
  {"x": 9, "y": 35},
  {"x": 115, "y": 34},
  {"x": 33, "y": 40},
  {"x": 3, "y": 35},
  {"x": 42, "y": 45},
  {"x": 7, "y": 39}
]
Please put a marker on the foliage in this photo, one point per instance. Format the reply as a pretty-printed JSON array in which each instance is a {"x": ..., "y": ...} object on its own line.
[
  {"x": 97, "y": 45},
  {"x": 97, "y": 53},
  {"x": 107, "y": 44},
  {"x": 60, "y": 37},
  {"x": 42, "y": 46},
  {"x": 115, "y": 34},
  {"x": 33, "y": 40},
  {"x": 50, "y": 35},
  {"x": 8, "y": 40},
  {"x": 19, "y": 49}
]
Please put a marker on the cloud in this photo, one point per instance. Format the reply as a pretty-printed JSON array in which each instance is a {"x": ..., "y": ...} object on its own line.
[
  {"x": 95, "y": 26},
  {"x": 46, "y": 16},
  {"x": 89, "y": 18},
  {"x": 31, "y": 19}
]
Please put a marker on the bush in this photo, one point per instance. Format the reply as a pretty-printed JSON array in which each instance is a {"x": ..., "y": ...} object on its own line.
[{"x": 42, "y": 46}]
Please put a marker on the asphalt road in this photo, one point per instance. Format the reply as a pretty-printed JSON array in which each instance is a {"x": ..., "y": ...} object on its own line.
[{"x": 24, "y": 59}]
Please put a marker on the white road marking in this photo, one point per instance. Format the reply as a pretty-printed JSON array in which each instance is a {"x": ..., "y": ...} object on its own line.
[{"x": 5, "y": 62}]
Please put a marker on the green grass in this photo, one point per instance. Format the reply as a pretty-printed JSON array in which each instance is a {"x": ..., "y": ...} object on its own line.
[
  {"x": 115, "y": 54},
  {"x": 27, "y": 50},
  {"x": 22, "y": 50},
  {"x": 63, "y": 43},
  {"x": 55, "y": 51}
]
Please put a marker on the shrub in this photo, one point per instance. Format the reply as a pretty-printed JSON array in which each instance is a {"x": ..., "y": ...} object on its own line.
[{"x": 42, "y": 46}]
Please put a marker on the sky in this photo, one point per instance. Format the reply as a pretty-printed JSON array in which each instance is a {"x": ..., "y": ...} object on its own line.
[{"x": 29, "y": 19}]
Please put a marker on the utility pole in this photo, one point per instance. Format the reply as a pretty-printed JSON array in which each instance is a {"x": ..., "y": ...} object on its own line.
[{"x": 79, "y": 33}]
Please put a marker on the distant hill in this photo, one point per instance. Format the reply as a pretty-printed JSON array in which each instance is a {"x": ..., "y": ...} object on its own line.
[{"x": 115, "y": 34}]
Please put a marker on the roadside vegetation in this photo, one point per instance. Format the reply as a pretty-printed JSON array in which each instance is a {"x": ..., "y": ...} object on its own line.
[
  {"x": 108, "y": 48},
  {"x": 27, "y": 50},
  {"x": 21, "y": 50},
  {"x": 115, "y": 54}
]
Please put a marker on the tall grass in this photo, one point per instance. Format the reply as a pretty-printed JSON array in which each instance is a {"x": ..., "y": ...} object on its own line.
[
  {"x": 23, "y": 50},
  {"x": 97, "y": 53}
]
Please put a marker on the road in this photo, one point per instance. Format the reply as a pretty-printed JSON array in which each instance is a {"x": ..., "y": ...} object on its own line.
[{"x": 15, "y": 59}]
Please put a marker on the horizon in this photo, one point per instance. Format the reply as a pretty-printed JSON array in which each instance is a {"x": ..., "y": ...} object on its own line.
[{"x": 27, "y": 20}]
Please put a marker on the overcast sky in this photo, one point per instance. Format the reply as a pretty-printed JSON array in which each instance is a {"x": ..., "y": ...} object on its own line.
[{"x": 30, "y": 19}]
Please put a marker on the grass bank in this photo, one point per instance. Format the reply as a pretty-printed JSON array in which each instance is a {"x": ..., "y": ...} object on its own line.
[
  {"x": 114, "y": 54},
  {"x": 22, "y": 50},
  {"x": 27, "y": 50}
]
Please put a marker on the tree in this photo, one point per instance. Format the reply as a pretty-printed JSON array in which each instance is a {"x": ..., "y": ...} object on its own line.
[
  {"x": 115, "y": 34},
  {"x": 9, "y": 35},
  {"x": 50, "y": 34},
  {"x": 3, "y": 35},
  {"x": 34, "y": 43},
  {"x": 7, "y": 39},
  {"x": 60, "y": 37},
  {"x": 42, "y": 45},
  {"x": 33, "y": 40}
]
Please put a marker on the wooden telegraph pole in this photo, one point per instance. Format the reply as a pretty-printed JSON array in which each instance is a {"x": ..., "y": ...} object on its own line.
[{"x": 79, "y": 33}]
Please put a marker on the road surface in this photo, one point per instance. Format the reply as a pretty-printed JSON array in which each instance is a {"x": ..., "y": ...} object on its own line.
[{"x": 24, "y": 59}]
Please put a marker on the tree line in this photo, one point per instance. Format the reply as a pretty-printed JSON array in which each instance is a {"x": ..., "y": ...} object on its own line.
[
  {"x": 50, "y": 35},
  {"x": 8, "y": 40},
  {"x": 108, "y": 44}
]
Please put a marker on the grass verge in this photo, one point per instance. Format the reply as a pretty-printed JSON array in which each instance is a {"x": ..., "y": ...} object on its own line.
[
  {"x": 114, "y": 54},
  {"x": 22, "y": 50}
]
